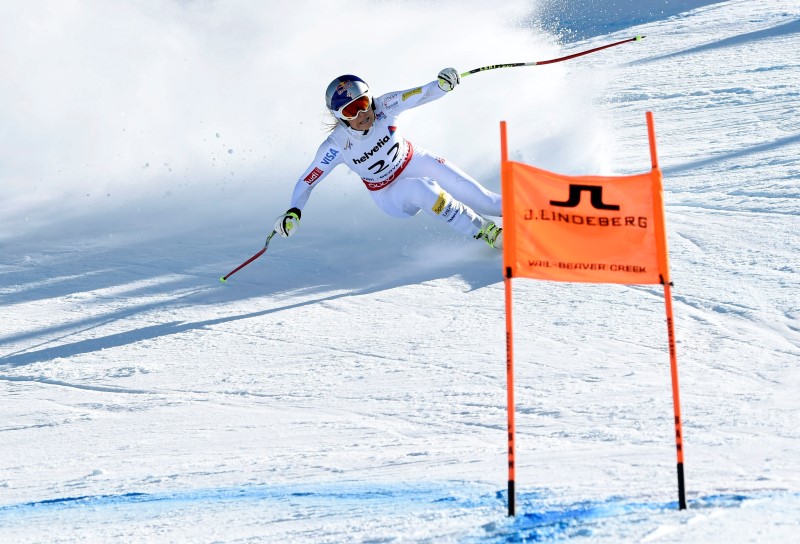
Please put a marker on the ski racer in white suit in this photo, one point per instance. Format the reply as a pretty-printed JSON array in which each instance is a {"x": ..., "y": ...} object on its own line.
[{"x": 402, "y": 178}]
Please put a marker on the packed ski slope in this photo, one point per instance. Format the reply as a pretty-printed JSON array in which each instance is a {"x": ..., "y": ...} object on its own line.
[{"x": 349, "y": 386}]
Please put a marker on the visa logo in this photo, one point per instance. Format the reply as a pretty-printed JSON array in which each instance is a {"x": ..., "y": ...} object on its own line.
[{"x": 329, "y": 156}]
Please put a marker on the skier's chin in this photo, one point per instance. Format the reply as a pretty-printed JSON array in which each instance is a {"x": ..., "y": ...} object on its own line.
[{"x": 366, "y": 124}]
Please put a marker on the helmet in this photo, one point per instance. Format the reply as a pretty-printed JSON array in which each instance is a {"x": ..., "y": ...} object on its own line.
[{"x": 343, "y": 90}]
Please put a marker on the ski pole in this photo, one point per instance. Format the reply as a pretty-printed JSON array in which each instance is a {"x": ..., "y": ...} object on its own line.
[
  {"x": 223, "y": 279},
  {"x": 551, "y": 61}
]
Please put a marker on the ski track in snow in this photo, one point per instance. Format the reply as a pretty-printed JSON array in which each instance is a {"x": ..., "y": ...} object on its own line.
[{"x": 348, "y": 388}]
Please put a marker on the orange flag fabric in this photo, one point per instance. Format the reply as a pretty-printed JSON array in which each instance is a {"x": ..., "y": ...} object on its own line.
[{"x": 583, "y": 229}]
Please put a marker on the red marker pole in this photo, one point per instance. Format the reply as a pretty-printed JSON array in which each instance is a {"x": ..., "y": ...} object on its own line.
[
  {"x": 661, "y": 241},
  {"x": 508, "y": 248}
]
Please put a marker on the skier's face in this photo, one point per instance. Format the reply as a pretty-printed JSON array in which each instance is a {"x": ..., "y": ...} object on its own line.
[{"x": 363, "y": 120}]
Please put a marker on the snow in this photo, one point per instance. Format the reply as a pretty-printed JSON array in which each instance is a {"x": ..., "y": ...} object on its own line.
[{"x": 350, "y": 384}]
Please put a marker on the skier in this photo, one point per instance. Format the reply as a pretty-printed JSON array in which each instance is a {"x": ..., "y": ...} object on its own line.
[{"x": 402, "y": 178}]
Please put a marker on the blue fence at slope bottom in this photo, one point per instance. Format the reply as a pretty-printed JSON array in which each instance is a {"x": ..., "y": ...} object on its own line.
[{"x": 540, "y": 516}]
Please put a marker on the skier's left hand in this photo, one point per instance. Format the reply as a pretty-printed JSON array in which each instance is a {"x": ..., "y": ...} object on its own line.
[{"x": 448, "y": 79}]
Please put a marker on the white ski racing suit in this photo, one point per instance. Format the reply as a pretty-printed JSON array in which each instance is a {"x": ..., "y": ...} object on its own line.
[{"x": 402, "y": 178}]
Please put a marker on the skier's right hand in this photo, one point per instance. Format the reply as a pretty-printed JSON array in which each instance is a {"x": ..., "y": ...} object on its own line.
[{"x": 288, "y": 223}]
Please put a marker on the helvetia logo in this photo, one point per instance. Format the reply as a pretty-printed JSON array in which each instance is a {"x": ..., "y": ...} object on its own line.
[{"x": 372, "y": 151}]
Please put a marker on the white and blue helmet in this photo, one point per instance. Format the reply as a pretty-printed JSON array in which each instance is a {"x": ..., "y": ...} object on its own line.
[{"x": 343, "y": 90}]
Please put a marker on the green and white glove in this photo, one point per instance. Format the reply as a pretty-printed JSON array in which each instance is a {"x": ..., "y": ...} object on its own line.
[
  {"x": 287, "y": 224},
  {"x": 448, "y": 79}
]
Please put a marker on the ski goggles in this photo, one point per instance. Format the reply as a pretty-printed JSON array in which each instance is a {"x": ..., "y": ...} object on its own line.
[{"x": 351, "y": 110}]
